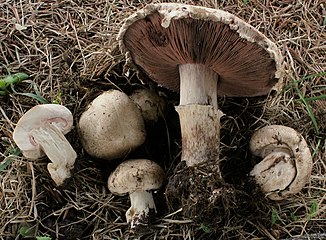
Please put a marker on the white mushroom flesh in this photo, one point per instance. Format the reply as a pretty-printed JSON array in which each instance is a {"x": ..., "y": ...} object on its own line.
[
  {"x": 275, "y": 172},
  {"x": 57, "y": 148},
  {"x": 40, "y": 131}
]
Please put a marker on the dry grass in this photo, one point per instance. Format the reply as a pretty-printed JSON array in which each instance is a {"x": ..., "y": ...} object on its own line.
[{"x": 69, "y": 50}]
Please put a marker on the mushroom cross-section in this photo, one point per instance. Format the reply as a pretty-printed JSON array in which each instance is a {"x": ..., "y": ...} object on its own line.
[
  {"x": 202, "y": 53},
  {"x": 111, "y": 126},
  {"x": 137, "y": 177},
  {"x": 40, "y": 131},
  {"x": 287, "y": 163}
]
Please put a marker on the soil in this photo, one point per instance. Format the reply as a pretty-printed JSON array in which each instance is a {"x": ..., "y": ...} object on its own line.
[{"x": 70, "y": 52}]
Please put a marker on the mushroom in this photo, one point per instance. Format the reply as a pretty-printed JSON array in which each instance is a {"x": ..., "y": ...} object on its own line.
[
  {"x": 138, "y": 177},
  {"x": 202, "y": 53},
  {"x": 287, "y": 163},
  {"x": 112, "y": 126},
  {"x": 152, "y": 106},
  {"x": 40, "y": 131}
]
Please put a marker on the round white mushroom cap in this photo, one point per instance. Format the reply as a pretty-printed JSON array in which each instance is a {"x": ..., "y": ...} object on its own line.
[
  {"x": 112, "y": 126},
  {"x": 287, "y": 163},
  {"x": 36, "y": 117},
  {"x": 136, "y": 175}
]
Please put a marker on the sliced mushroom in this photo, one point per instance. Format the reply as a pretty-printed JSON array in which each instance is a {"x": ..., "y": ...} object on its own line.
[
  {"x": 111, "y": 126},
  {"x": 138, "y": 177},
  {"x": 287, "y": 163},
  {"x": 40, "y": 131}
]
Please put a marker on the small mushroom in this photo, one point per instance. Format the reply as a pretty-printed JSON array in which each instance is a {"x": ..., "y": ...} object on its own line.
[
  {"x": 112, "y": 126},
  {"x": 138, "y": 177},
  {"x": 287, "y": 163},
  {"x": 40, "y": 131},
  {"x": 150, "y": 103}
]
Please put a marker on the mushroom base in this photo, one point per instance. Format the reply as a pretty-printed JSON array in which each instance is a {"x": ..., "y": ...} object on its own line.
[
  {"x": 202, "y": 194},
  {"x": 142, "y": 209}
]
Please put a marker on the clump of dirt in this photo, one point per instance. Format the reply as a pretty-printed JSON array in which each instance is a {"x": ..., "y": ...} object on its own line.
[{"x": 203, "y": 194}]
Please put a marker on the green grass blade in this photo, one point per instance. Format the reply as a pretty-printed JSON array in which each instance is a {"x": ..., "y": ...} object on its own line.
[
  {"x": 6, "y": 164},
  {"x": 321, "y": 97},
  {"x": 34, "y": 96},
  {"x": 246, "y": 2},
  {"x": 3, "y": 93},
  {"x": 317, "y": 147},
  {"x": 313, "y": 209},
  {"x": 321, "y": 74},
  {"x": 12, "y": 152},
  {"x": 290, "y": 85},
  {"x": 12, "y": 79},
  {"x": 43, "y": 238},
  {"x": 308, "y": 107}
]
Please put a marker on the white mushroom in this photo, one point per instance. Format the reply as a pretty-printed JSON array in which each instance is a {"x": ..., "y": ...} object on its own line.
[
  {"x": 152, "y": 106},
  {"x": 287, "y": 163},
  {"x": 41, "y": 132},
  {"x": 112, "y": 126},
  {"x": 137, "y": 177}
]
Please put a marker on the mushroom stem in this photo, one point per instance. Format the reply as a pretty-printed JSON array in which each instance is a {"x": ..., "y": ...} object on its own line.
[
  {"x": 142, "y": 206},
  {"x": 198, "y": 85},
  {"x": 199, "y": 114},
  {"x": 58, "y": 150},
  {"x": 200, "y": 131}
]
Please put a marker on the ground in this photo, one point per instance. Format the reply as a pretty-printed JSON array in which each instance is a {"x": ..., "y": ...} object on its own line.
[{"x": 69, "y": 50}]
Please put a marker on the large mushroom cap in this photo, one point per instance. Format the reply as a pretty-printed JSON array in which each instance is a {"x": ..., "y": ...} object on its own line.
[
  {"x": 161, "y": 37},
  {"x": 37, "y": 117},
  {"x": 136, "y": 175}
]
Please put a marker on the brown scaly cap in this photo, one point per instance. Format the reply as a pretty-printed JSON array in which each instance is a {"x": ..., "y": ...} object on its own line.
[{"x": 160, "y": 37}]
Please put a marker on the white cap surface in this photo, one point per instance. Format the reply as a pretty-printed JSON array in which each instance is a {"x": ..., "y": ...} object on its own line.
[
  {"x": 136, "y": 175},
  {"x": 111, "y": 126}
]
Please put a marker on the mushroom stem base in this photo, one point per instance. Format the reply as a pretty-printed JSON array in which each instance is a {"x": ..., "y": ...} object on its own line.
[
  {"x": 200, "y": 131},
  {"x": 141, "y": 210},
  {"x": 202, "y": 193}
]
